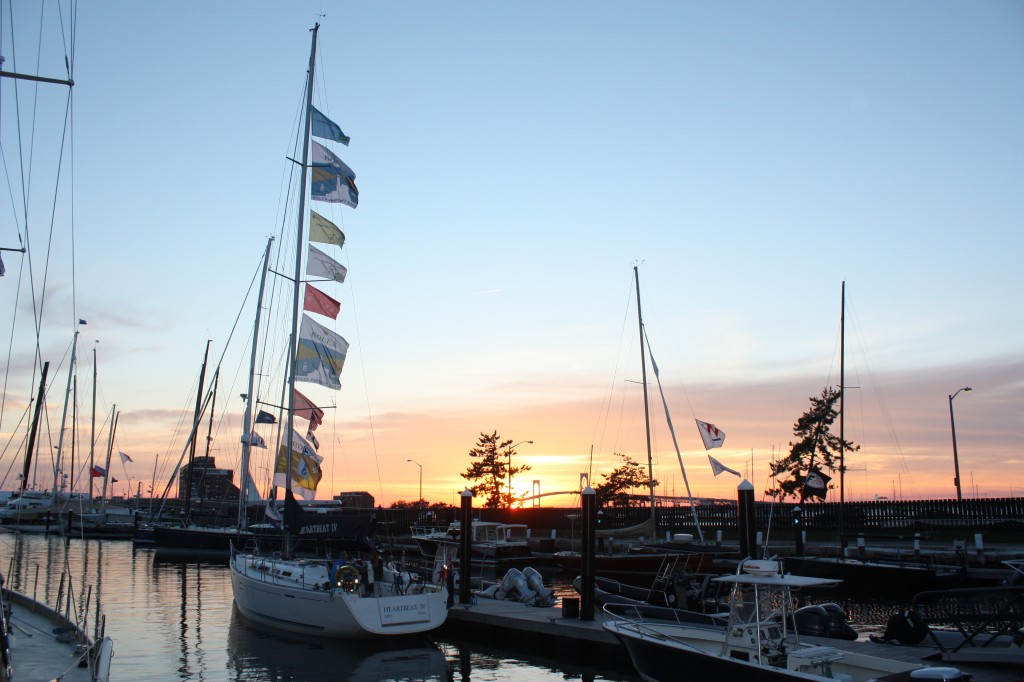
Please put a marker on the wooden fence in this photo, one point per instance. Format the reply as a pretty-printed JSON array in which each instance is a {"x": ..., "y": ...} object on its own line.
[{"x": 877, "y": 517}]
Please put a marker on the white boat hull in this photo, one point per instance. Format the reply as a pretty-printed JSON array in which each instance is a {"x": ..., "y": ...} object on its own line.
[{"x": 299, "y": 597}]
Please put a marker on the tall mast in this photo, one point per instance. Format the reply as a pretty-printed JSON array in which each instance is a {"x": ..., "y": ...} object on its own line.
[
  {"x": 63, "y": 420},
  {"x": 92, "y": 431},
  {"x": 298, "y": 276},
  {"x": 842, "y": 436},
  {"x": 643, "y": 373},
  {"x": 243, "y": 482}
]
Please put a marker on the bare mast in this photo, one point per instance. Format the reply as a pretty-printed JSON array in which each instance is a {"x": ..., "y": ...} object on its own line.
[
  {"x": 250, "y": 403},
  {"x": 647, "y": 409}
]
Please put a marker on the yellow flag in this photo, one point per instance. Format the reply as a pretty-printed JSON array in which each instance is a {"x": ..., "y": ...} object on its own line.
[
  {"x": 324, "y": 231},
  {"x": 306, "y": 473}
]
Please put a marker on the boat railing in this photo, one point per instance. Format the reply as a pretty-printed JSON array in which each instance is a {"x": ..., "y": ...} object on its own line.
[
  {"x": 984, "y": 616},
  {"x": 71, "y": 612},
  {"x": 646, "y": 613}
]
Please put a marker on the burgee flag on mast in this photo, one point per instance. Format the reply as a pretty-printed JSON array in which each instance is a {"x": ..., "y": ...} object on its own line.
[
  {"x": 712, "y": 436},
  {"x": 319, "y": 264},
  {"x": 320, "y": 354},
  {"x": 324, "y": 231},
  {"x": 327, "y": 129}
]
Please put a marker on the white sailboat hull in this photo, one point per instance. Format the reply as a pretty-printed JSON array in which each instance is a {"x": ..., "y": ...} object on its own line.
[{"x": 298, "y": 596}]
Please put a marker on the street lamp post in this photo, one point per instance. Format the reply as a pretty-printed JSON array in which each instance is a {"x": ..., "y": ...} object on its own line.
[
  {"x": 421, "y": 480},
  {"x": 956, "y": 461},
  {"x": 513, "y": 447}
]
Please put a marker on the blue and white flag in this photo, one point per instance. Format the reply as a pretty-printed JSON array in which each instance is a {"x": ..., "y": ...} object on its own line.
[
  {"x": 320, "y": 355},
  {"x": 255, "y": 440},
  {"x": 333, "y": 181},
  {"x": 327, "y": 129},
  {"x": 272, "y": 515}
]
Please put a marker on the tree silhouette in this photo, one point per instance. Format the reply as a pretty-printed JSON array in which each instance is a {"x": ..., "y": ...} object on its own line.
[
  {"x": 615, "y": 489},
  {"x": 491, "y": 468},
  {"x": 817, "y": 447}
]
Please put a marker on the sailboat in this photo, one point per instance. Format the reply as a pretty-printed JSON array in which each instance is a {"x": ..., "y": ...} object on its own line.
[
  {"x": 874, "y": 577},
  {"x": 339, "y": 599},
  {"x": 650, "y": 563}
]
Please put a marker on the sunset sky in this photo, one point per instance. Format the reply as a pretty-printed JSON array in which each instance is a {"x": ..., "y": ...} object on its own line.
[{"x": 515, "y": 161}]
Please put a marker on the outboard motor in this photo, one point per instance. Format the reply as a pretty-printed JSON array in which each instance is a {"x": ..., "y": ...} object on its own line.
[
  {"x": 515, "y": 586},
  {"x": 838, "y": 628},
  {"x": 823, "y": 620},
  {"x": 536, "y": 583}
]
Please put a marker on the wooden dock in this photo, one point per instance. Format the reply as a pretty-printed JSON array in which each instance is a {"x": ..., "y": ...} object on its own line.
[{"x": 502, "y": 622}]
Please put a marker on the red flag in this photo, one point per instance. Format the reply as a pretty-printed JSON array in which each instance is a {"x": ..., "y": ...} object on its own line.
[
  {"x": 305, "y": 408},
  {"x": 317, "y": 301}
]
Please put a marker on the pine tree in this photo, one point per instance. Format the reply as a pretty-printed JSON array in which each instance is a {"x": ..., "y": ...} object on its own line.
[
  {"x": 817, "y": 447},
  {"x": 490, "y": 466},
  {"x": 617, "y": 484}
]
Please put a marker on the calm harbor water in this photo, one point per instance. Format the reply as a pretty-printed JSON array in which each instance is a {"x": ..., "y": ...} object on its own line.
[{"x": 175, "y": 620}]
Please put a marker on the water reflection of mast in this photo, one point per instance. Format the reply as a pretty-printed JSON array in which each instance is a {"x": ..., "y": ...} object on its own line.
[{"x": 183, "y": 638}]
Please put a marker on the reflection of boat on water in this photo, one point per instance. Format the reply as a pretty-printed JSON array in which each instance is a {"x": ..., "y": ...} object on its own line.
[{"x": 277, "y": 657}]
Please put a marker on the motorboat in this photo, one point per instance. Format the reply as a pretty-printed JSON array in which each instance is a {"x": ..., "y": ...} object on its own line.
[{"x": 756, "y": 643}]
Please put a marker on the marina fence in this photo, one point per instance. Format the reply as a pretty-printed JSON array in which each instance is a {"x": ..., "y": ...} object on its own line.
[{"x": 875, "y": 517}]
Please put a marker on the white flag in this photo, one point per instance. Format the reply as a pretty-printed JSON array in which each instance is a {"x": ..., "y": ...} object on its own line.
[
  {"x": 255, "y": 440},
  {"x": 319, "y": 264},
  {"x": 712, "y": 436},
  {"x": 124, "y": 457},
  {"x": 718, "y": 467}
]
